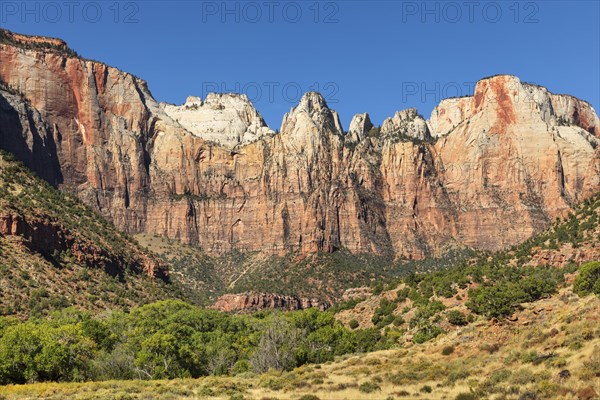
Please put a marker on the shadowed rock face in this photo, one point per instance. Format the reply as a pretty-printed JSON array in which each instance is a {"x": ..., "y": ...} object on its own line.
[
  {"x": 487, "y": 171},
  {"x": 46, "y": 237}
]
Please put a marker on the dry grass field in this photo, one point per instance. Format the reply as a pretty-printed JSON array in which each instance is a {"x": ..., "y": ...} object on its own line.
[{"x": 549, "y": 349}]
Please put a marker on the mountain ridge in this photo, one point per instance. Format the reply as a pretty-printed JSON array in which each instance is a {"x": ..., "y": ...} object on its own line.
[{"x": 510, "y": 152}]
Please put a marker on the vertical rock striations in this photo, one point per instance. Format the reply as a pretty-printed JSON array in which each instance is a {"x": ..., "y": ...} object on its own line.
[{"x": 487, "y": 170}]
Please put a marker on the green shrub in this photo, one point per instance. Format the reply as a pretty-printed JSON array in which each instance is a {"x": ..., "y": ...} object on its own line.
[
  {"x": 369, "y": 387},
  {"x": 373, "y": 132},
  {"x": 500, "y": 376},
  {"x": 426, "y": 389},
  {"x": 446, "y": 351},
  {"x": 457, "y": 318},
  {"x": 309, "y": 397},
  {"x": 377, "y": 289},
  {"x": 457, "y": 374},
  {"x": 240, "y": 367},
  {"x": 353, "y": 324},
  {"x": 402, "y": 294},
  {"x": 427, "y": 333},
  {"x": 588, "y": 280},
  {"x": 522, "y": 376},
  {"x": 385, "y": 309},
  {"x": 466, "y": 396}
]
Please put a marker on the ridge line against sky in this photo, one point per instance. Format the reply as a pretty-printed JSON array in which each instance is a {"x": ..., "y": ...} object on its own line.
[{"x": 362, "y": 56}]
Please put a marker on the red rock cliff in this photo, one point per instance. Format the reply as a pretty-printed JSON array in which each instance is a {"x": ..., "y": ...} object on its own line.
[{"x": 500, "y": 166}]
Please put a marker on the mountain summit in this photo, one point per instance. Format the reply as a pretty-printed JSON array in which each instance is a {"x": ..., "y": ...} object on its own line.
[{"x": 485, "y": 171}]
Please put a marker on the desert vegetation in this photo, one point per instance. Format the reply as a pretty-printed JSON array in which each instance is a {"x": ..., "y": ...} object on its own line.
[
  {"x": 63, "y": 253},
  {"x": 550, "y": 350},
  {"x": 172, "y": 339},
  {"x": 467, "y": 326}
]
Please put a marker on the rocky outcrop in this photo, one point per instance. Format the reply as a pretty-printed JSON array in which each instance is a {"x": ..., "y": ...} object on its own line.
[
  {"x": 357, "y": 293},
  {"x": 39, "y": 42},
  {"x": 226, "y": 119},
  {"x": 406, "y": 124},
  {"x": 253, "y": 301},
  {"x": 359, "y": 128},
  {"x": 49, "y": 238},
  {"x": 566, "y": 255},
  {"x": 485, "y": 171}
]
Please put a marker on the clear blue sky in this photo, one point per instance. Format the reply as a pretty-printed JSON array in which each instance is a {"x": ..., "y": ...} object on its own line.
[{"x": 373, "y": 56}]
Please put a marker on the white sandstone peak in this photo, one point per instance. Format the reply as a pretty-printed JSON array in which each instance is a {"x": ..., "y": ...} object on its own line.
[
  {"x": 226, "y": 118},
  {"x": 406, "y": 123},
  {"x": 314, "y": 107},
  {"x": 193, "y": 100},
  {"x": 312, "y": 101},
  {"x": 359, "y": 127}
]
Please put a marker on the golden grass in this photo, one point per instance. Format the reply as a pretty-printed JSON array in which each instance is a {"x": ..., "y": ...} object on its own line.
[{"x": 496, "y": 361}]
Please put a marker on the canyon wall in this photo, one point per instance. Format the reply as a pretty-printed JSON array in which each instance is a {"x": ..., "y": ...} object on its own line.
[{"x": 485, "y": 171}]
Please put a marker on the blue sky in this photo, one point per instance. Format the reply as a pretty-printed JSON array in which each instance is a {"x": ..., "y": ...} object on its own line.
[{"x": 364, "y": 56}]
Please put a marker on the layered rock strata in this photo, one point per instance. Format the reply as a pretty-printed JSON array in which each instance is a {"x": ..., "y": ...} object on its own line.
[{"x": 485, "y": 171}]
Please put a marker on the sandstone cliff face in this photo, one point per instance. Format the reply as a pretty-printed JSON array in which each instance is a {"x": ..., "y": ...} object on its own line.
[
  {"x": 26, "y": 135},
  {"x": 99, "y": 120},
  {"x": 252, "y": 301},
  {"x": 486, "y": 171}
]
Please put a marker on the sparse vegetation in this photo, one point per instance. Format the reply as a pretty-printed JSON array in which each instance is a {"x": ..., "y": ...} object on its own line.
[
  {"x": 369, "y": 387},
  {"x": 93, "y": 266}
]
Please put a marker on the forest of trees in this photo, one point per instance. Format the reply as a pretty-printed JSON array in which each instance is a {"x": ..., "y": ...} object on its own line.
[{"x": 172, "y": 339}]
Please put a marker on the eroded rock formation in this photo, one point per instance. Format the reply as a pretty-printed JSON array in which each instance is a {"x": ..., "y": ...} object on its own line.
[
  {"x": 486, "y": 171},
  {"x": 226, "y": 119},
  {"x": 252, "y": 301}
]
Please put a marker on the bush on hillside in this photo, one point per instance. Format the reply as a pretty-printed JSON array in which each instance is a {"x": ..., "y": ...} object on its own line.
[
  {"x": 457, "y": 318},
  {"x": 588, "y": 280}
]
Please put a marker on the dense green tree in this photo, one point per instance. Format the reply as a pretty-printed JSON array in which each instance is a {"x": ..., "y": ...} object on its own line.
[
  {"x": 426, "y": 333},
  {"x": 159, "y": 357},
  {"x": 38, "y": 352},
  {"x": 588, "y": 280},
  {"x": 496, "y": 300},
  {"x": 455, "y": 317}
]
